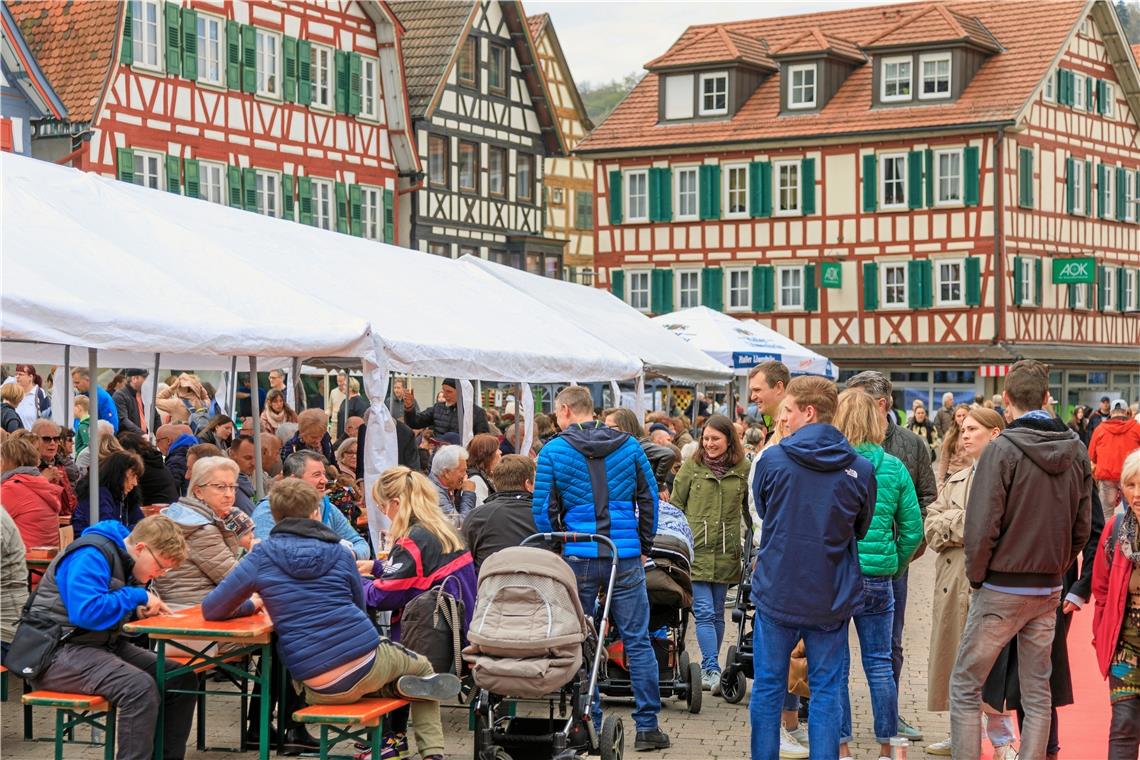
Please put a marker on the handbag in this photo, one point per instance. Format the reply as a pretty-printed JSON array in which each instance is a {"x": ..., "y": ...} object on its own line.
[{"x": 432, "y": 625}]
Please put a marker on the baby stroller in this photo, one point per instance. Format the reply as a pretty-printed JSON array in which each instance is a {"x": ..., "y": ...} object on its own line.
[
  {"x": 670, "y": 588},
  {"x": 738, "y": 661},
  {"x": 528, "y": 638}
]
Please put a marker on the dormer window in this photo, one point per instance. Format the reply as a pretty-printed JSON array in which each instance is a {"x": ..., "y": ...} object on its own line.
[
  {"x": 896, "y": 79},
  {"x": 714, "y": 94},
  {"x": 935, "y": 70},
  {"x": 802, "y": 86},
  {"x": 679, "y": 96}
]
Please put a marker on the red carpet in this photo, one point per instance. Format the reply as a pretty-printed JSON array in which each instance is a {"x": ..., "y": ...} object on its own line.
[{"x": 1084, "y": 724}]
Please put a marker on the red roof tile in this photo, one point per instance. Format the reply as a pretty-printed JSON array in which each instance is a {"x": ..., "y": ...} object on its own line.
[
  {"x": 713, "y": 45},
  {"x": 74, "y": 43},
  {"x": 814, "y": 40},
  {"x": 934, "y": 24},
  {"x": 535, "y": 23},
  {"x": 1136, "y": 53},
  {"x": 1031, "y": 32}
]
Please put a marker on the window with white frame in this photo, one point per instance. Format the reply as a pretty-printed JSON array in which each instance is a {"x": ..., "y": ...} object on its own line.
[
  {"x": 790, "y": 293},
  {"x": 322, "y": 73},
  {"x": 639, "y": 289},
  {"x": 372, "y": 213},
  {"x": 740, "y": 290},
  {"x": 688, "y": 288},
  {"x": 212, "y": 181},
  {"x": 268, "y": 47},
  {"x": 637, "y": 196},
  {"x": 714, "y": 94},
  {"x": 1028, "y": 281},
  {"x": 1078, "y": 183},
  {"x": 787, "y": 187},
  {"x": 736, "y": 190},
  {"x": 497, "y": 171},
  {"x": 1079, "y": 100},
  {"x": 370, "y": 88},
  {"x": 145, "y": 36},
  {"x": 211, "y": 50},
  {"x": 951, "y": 282},
  {"x": 1108, "y": 176},
  {"x": 935, "y": 76},
  {"x": 148, "y": 170},
  {"x": 1109, "y": 286},
  {"x": 1129, "y": 196},
  {"x": 1049, "y": 91},
  {"x": 896, "y": 79},
  {"x": 894, "y": 284},
  {"x": 801, "y": 90},
  {"x": 948, "y": 177},
  {"x": 686, "y": 181},
  {"x": 1130, "y": 289},
  {"x": 324, "y": 209},
  {"x": 1080, "y": 298},
  {"x": 892, "y": 186},
  {"x": 1109, "y": 100},
  {"x": 268, "y": 187}
]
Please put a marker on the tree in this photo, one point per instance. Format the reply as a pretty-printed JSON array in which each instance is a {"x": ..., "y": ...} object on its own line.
[
  {"x": 1129, "y": 13},
  {"x": 601, "y": 99}
]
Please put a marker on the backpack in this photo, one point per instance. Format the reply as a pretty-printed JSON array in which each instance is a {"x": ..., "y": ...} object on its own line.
[
  {"x": 198, "y": 418},
  {"x": 432, "y": 625}
]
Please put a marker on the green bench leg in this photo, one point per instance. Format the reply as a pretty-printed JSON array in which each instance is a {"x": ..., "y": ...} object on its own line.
[
  {"x": 59, "y": 732},
  {"x": 109, "y": 735}
]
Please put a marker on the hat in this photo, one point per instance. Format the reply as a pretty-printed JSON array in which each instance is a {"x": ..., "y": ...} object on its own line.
[
  {"x": 135, "y": 372},
  {"x": 661, "y": 426},
  {"x": 447, "y": 439},
  {"x": 1104, "y": 399},
  {"x": 1119, "y": 404},
  {"x": 451, "y": 381}
]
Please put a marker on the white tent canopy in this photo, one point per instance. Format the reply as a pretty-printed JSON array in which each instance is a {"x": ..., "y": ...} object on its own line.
[
  {"x": 611, "y": 321},
  {"x": 742, "y": 344}
]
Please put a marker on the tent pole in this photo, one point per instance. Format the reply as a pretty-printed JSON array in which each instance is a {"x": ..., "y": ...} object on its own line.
[
  {"x": 255, "y": 410},
  {"x": 66, "y": 386},
  {"x": 93, "y": 440},
  {"x": 154, "y": 396},
  {"x": 233, "y": 387}
]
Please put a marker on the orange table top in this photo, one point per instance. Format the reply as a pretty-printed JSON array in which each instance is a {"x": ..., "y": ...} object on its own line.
[{"x": 189, "y": 624}]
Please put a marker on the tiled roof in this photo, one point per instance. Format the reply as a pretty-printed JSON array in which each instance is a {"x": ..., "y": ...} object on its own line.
[
  {"x": 74, "y": 43},
  {"x": 998, "y": 91},
  {"x": 536, "y": 23},
  {"x": 934, "y": 24},
  {"x": 430, "y": 40},
  {"x": 815, "y": 40},
  {"x": 1136, "y": 53},
  {"x": 711, "y": 45}
]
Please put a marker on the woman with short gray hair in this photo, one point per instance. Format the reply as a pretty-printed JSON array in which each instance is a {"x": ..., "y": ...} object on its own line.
[{"x": 449, "y": 476}]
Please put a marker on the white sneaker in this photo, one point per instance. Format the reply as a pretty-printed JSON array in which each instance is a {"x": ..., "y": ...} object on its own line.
[
  {"x": 800, "y": 735},
  {"x": 941, "y": 748},
  {"x": 710, "y": 679},
  {"x": 1005, "y": 752},
  {"x": 790, "y": 749}
]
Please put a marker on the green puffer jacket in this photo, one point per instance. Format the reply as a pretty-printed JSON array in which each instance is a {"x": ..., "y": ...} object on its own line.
[
  {"x": 881, "y": 552},
  {"x": 713, "y": 509}
]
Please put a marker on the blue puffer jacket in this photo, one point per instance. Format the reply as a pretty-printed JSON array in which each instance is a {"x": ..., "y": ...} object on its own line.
[
  {"x": 592, "y": 479},
  {"x": 311, "y": 589},
  {"x": 815, "y": 496}
]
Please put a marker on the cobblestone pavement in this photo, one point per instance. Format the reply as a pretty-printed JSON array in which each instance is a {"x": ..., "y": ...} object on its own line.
[{"x": 720, "y": 731}]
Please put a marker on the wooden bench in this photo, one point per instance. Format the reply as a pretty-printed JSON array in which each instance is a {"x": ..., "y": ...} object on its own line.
[
  {"x": 73, "y": 710},
  {"x": 337, "y": 719}
]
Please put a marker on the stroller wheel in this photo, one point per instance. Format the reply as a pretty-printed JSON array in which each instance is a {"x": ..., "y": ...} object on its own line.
[
  {"x": 612, "y": 739},
  {"x": 733, "y": 684},
  {"x": 693, "y": 697},
  {"x": 683, "y": 662}
]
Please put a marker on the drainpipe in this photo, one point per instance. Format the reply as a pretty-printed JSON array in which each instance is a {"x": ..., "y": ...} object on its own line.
[{"x": 999, "y": 237}]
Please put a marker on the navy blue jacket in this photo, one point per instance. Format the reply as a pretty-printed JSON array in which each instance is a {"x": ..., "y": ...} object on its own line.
[
  {"x": 176, "y": 460},
  {"x": 591, "y": 479},
  {"x": 125, "y": 510},
  {"x": 312, "y": 591},
  {"x": 815, "y": 496}
]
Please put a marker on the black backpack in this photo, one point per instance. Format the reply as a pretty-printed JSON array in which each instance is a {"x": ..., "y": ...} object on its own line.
[{"x": 432, "y": 625}]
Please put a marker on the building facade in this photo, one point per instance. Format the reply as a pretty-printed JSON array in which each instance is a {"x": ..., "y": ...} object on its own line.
[
  {"x": 484, "y": 123},
  {"x": 26, "y": 95},
  {"x": 295, "y": 110},
  {"x": 931, "y": 190}
]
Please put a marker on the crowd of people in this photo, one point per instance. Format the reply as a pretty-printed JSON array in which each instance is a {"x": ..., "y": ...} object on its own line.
[{"x": 822, "y": 497}]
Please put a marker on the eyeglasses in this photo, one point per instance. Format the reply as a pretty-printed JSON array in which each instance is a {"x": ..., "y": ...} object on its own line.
[
  {"x": 49, "y": 438},
  {"x": 222, "y": 487},
  {"x": 162, "y": 569}
]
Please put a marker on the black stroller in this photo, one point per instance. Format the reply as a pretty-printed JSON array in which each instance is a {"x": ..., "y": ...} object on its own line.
[
  {"x": 531, "y": 642},
  {"x": 738, "y": 661}
]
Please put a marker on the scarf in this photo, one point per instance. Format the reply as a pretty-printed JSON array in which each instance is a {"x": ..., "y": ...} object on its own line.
[
  {"x": 719, "y": 465},
  {"x": 1126, "y": 537},
  {"x": 275, "y": 420}
]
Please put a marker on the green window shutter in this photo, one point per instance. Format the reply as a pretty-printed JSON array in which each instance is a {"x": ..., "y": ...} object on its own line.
[
  {"x": 617, "y": 283},
  {"x": 127, "y": 51},
  {"x": 928, "y": 175},
  {"x": 754, "y": 189},
  {"x": 1025, "y": 178},
  {"x": 389, "y": 216},
  {"x": 870, "y": 286},
  {"x": 1070, "y": 188},
  {"x": 304, "y": 72},
  {"x": 712, "y": 287},
  {"x": 355, "y": 216},
  {"x": 1088, "y": 93},
  {"x": 193, "y": 181},
  {"x": 665, "y": 193},
  {"x": 870, "y": 190},
  {"x": 928, "y": 284},
  {"x": 249, "y": 188},
  {"x": 172, "y": 23},
  {"x": 248, "y": 59},
  {"x": 971, "y": 175},
  {"x": 1101, "y": 278},
  {"x": 341, "y": 81},
  {"x": 355, "y": 65},
  {"x": 233, "y": 55},
  {"x": 1072, "y": 296},
  {"x": 1121, "y": 276},
  {"x": 233, "y": 181},
  {"x": 287, "y": 196},
  {"x": 125, "y": 159},
  {"x": 1101, "y": 97},
  {"x": 173, "y": 174},
  {"x": 1136, "y": 199},
  {"x": 807, "y": 182},
  {"x": 1088, "y": 187},
  {"x": 1038, "y": 281},
  {"x": 1121, "y": 183},
  {"x": 655, "y": 288},
  {"x": 765, "y": 188},
  {"x": 305, "y": 200},
  {"x": 811, "y": 289},
  {"x": 189, "y": 44},
  {"x": 615, "y": 197},
  {"x": 1018, "y": 291},
  {"x": 709, "y": 192},
  {"x": 914, "y": 284},
  {"x": 973, "y": 281},
  {"x": 654, "y": 198},
  {"x": 340, "y": 211},
  {"x": 1101, "y": 210},
  {"x": 914, "y": 190},
  {"x": 661, "y": 291},
  {"x": 1062, "y": 87},
  {"x": 289, "y": 75},
  {"x": 763, "y": 294}
]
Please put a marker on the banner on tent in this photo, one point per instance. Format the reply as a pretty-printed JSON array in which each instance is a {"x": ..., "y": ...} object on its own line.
[{"x": 746, "y": 359}]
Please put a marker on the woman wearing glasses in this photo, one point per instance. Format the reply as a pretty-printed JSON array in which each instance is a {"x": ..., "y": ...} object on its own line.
[{"x": 119, "y": 494}]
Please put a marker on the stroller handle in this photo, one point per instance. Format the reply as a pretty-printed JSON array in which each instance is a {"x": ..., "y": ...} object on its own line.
[{"x": 571, "y": 538}]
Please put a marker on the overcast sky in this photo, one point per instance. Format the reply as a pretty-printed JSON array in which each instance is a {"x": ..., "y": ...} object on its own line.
[{"x": 607, "y": 40}]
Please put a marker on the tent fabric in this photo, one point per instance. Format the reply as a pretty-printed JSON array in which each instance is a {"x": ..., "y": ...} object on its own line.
[
  {"x": 742, "y": 344},
  {"x": 611, "y": 321}
]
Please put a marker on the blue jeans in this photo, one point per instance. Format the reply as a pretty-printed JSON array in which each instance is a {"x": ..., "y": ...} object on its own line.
[
  {"x": 899, "y": 587},
  {"x": 629, "y": 610},
  {"x": 873, "y": 617},
  {"x": 826, "y": 655},
  {"x": 708, "y": 611}
]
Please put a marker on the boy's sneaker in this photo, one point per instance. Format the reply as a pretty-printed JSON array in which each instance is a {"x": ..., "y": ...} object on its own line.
[
  {"x": 800, "y": 735},
  {"x": 942, "y": 748},
  {"x": 438, "y": 687},
  {"x": 648, "y": 740},
  {"x": 710, "y": 679},
  {"x": 790, "y": 749},
  {"x": 909, "y": 731}
]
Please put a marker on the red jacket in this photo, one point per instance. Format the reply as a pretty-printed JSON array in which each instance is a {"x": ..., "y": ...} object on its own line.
[
  {"x": 1112, "y": 441},
  {"x": 34, "y": 505},
  {"x": 1110, "y": 588}
]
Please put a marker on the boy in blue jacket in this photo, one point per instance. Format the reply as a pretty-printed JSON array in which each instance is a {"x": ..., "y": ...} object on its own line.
[
  {"x": 815, "y": 496},
  {"x": 91, "y": 589},
  {"x": 311, "y": 588}
]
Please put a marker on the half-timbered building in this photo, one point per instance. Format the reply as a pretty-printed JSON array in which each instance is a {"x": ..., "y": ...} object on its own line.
[
  {"x": 568, "y": 197},
  {"x": 483, "y": 124},
  {"x": 929, "y": 189},
  {"x": 291, "y": 109}
]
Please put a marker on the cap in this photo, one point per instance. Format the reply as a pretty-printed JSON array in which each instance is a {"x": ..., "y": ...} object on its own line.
[
  {"x": 1119, "y": 404},
  {"x": 447, "y": 439},
  {"x": 451, "y": 381},
  {"x": 1104, "y": 399},
  {"x": 661, "y": 426},
  {"x": 135, "y": 372}
]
